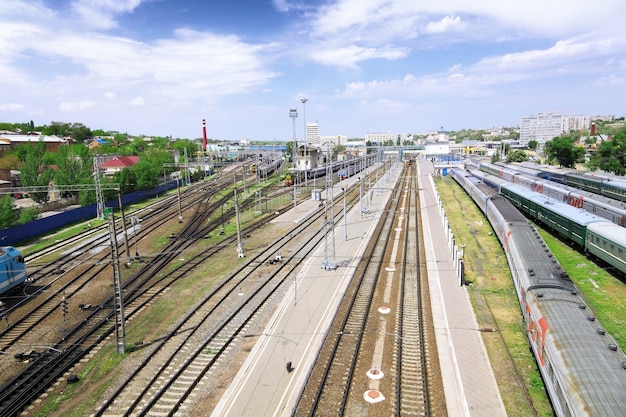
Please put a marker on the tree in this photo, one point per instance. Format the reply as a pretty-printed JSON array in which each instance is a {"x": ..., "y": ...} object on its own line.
[
  {"x": 80, "y": 132},
  {"x": 147, "y": 173},
  {"x": 517, "y": 156},
  {"x": 10, "y": 161},
  {"x": 532, "y": 144},
  {"x": 34, "y": 171},
  {"x": 74, "y": 165},
  {"x": 138, "y": 145},
  {"x": 611, "y": 155},
  {"x": 182, "y": 144},
  {"x": 8, "y": 216},
  {"x": 127, "y": 180},
  {"x": 562, "y": 150}
]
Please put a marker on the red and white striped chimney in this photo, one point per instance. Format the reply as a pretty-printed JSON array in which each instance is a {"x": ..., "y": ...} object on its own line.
[{"x": 203, "y": 136}]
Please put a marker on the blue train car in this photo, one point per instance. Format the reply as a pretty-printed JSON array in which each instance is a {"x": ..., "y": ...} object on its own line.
[{"x": 12, "y": 268}]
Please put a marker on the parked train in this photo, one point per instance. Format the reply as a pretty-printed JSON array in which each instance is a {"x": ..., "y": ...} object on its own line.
[
  {"x": 264, "y": 170},
  {"x": 602, "y": 206},
  {"x": 12, "y": 269},
  {"x": 344, "y": 169},
  {"x": 609, "y": 186},
  {"x": 348, "y": 171},
  {"x": 583, "y": 370},
  {"x": 606, "y": 242}
]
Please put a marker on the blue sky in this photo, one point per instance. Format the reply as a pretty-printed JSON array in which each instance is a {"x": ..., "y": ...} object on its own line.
[{"x": 158, "y": 67}]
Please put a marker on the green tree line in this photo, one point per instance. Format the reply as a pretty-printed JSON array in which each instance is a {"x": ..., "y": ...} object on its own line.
[{"x": 73, "y": 164}]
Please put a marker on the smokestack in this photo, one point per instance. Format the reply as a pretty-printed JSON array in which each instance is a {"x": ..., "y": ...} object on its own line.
[
  {"x": 593, "y": 128},
  {"x": 203, "y": 136}
]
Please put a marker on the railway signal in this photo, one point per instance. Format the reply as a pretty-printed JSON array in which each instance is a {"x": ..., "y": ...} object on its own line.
[{"x": 64, "y": 304}]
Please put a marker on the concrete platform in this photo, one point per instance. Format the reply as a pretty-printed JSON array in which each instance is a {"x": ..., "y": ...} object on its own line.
[{"x": 469, "y": 384}]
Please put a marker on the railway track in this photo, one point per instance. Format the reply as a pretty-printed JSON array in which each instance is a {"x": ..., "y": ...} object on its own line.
[
  {"x": 57, "y": 355},
  {"x": 94, "y": 329},
  {"x": 67, "y": 277},
  {"x": 197, "y": 345},
  {"x": 376, "y": 359}
]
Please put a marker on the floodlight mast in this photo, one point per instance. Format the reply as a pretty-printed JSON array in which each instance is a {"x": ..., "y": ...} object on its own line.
[{"x": 306, "y": 141}]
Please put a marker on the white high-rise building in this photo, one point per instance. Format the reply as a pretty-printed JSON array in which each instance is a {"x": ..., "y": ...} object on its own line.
[
  {"x": 575, "y": 123},
  {"x": 312, "y": 133},
  {"x": 542, "y": 128},
  {"x": 381, "y": 138}
]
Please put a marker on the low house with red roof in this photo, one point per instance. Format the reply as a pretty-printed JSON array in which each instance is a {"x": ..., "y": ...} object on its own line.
[{"x": 118, "y": 163}]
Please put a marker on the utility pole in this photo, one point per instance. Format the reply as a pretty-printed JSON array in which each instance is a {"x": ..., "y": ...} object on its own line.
[
  {"x": 345, "y": 224},
  {"x": 306, "y": 141},
  {"x": 329, "y": 216},
  {"x": 118, "y": 299},
  {"x": 180, "y": 209},
  {"x": 99, "y": 196},
  {"x": 187, "y": 175},
  {"x": 293, "y": 113},
  {"x": 237, "y": 215},
  {"x": 119, "y": 197}
]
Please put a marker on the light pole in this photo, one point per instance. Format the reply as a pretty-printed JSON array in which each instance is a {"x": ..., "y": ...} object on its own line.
[
  {"x": 135, "y": 222},
  {"x": 119, "y": 197},
  {"x": 180, "y": 210},
  {"x": 360, "y": 195},
  {"x": 293, "y": 113},
  {"x": 306, "y": 140},
  {"x": 345, "y": 224}
]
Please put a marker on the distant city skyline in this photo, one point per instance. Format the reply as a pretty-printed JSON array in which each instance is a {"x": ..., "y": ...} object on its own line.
[{"x": 157, "y": 68}]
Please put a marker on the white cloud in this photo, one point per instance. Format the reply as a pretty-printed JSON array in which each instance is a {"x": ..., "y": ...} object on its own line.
[
  {"x": 101, "y": 14},
  {"x": 610, "y": 80},
  {"x": 137, "y": 101},
  {"x": 531, "y": 17},
  {"x": 351, "y": 55},
  {"x": 11, "y": 106},
  {"x": 408, "y": 25},
  {"x": 446, "y": 24},
  {"x": 76, "y": 106},
  {"x": 188, "y": 66}
]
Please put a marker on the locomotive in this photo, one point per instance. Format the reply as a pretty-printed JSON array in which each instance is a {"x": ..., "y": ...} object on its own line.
[{"x": 12, "y": 269}]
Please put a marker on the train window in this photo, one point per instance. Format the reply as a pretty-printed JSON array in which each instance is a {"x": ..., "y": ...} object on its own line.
[{"x": 20, "y": 259}]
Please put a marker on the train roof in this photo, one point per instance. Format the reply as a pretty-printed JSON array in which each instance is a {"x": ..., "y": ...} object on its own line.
[
  {"x": 595, "y": 372},
  {"x": 487, "y": 177},
  {"x": 546, "y": 271},
  {"x": 8, "y": 250},
  {"x": 516, "y": 169},
  {"x": 574, "y": 214},
  {"x": 611, "y": 231},
  {"x": 588, "y": 195},
  {"x": 508, "y": 210},
  {"x": 543, "y": 168},
  {"x": 616, "y": 182}
]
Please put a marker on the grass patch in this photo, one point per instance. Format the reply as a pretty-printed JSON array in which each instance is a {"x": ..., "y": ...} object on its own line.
[
  {"x": 601, "y": 291},
  {"x": 96, "y": 377}
]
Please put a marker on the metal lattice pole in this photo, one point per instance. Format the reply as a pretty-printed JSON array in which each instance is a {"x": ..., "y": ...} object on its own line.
[
  {"x": 120, "y": 327},
  {"x": 99, "y": 196},
  {"x": 329, "y": 216}
]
